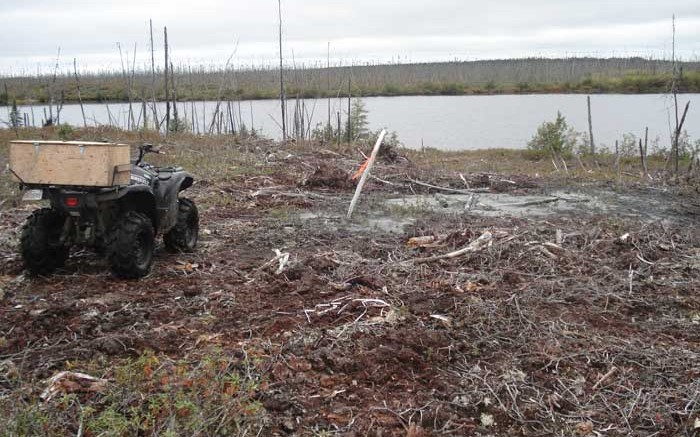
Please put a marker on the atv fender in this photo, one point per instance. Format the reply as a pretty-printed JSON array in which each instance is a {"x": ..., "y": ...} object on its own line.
[
  {"x": 169, "y": 186},
  {"x": 139, "y": 198}
]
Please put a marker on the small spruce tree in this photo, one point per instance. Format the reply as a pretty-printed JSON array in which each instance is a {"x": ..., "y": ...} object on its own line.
[{"x": 16, "y": 119}]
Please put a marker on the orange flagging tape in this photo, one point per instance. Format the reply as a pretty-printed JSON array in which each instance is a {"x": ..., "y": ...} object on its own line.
[{"x": 362, "y": 169}]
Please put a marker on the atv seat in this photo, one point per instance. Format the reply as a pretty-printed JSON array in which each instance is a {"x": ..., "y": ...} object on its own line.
[{"x": 165, "y": 173}]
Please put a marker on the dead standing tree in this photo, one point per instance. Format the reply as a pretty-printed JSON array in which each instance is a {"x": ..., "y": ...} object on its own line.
[
  {"x": 282, "y": 96},
  {"x": 167, "y": 90},
  {"x": 127, "y": 84},
  {"x": 77, "y": 85},
  {"x": 590, "y": 126},
  {"x": 156, "y": 124},
  {"x": 675, "y": 150},
  {"x": 219, "y": 93},
  {"x": 51, "y": 87}
]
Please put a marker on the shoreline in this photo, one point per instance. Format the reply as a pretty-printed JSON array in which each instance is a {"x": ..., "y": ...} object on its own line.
[{"x": 254, "y": 98}]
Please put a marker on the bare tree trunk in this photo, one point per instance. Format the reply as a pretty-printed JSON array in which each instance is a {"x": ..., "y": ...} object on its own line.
[
  {"x": 646, "y": 151},
  {"x": 176, "y": 119},
  {"x": 676, "y": 137},
  {"x": 221, "y": 89},
  {"x": 643, "y": 158},
  {"x": 52, "y": 90},
  {"x": 77, "y": 83},
  {"x": 618, "y": 162},
  {"x": 590, "y": 126},
  {"x": 328, "y": 75},
  {"x": 350, "y": 107},
  {"x": 156, "y": 123},
  {"x": 127, "y": 85},
  {"x": 167, "y": 91},
  {"x": 674, "y": 89},
  {"x": 231, "y": 118},
  {"x": 193, "y": 110},
  {"x": 282, "y": 96},
  {"x": 144, "y": 109},
  {"x": 252, "y": 120},
  {"x": 131, "y": 85},
  {"x": 339, "y": 127}
]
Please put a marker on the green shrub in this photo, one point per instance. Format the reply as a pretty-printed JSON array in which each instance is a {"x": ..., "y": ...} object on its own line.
[
  {"x": 359, "y": 129},
  {"x": 452, "y": 89},
  {"x": 65, "y": 132},
  {"x": 523, "y": 87},
  {"x": 178, "y": 125},
  {"x": 16, "y": 119},
  {"x": 554, "y": 137}
]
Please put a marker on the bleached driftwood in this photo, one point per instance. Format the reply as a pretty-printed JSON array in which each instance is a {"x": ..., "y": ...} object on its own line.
[
  {"x": 484, "y": 241},
  {"x": 365, "y": 174},
  {"x": 280, "y": 257},
  {"x": 72, "y": 382},
  {"x": 449, "y": 190},
  {"x": 532, "y": 203}
]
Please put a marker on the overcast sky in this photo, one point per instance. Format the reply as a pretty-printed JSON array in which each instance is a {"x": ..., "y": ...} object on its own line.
[{"x": 209, "y": 31}]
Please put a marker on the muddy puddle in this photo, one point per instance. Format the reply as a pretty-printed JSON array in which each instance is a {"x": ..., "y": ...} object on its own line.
[
  {"x": 378, "y": 222},
  {"x": 392, "y": 215}
]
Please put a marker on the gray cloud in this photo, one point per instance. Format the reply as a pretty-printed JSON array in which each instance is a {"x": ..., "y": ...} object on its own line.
[{"x": 206, "y": 31}]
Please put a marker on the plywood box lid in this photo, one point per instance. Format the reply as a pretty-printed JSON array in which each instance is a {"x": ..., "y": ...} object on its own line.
[{"x": 67, "y": 143}]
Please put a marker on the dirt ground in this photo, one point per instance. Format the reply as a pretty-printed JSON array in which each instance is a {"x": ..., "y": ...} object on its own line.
[{"x": 582, "y": 317}]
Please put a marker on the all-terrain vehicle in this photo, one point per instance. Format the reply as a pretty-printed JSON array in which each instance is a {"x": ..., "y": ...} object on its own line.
[{"x": 120, "y": 221}]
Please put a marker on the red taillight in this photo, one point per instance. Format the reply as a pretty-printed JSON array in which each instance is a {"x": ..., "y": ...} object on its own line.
[{"x": 71, "y": 202}]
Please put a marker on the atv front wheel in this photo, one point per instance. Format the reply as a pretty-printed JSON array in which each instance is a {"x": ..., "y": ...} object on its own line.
[
  {"x": 131, "y": 246},
  {"x": 40, "y": 245},
  {"x": 183, "y": 237}
]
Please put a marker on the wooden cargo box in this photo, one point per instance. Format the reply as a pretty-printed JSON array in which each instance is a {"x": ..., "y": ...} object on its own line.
[{"x": 79, "y": 163}]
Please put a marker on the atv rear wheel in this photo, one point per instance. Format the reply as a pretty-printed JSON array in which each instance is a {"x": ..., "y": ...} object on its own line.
[
  {"x": 131, "y": 246},
  {"x": 40, "y": 244},
  {"x": 184, "y": 236}
]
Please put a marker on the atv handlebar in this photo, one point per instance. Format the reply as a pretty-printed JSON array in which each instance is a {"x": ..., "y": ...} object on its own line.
[{"x": 147, "y": 148}]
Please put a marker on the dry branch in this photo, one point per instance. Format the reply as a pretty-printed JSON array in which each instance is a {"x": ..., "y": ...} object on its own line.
[
  {"x": 449, "y": 190},
  {"x": 605, "y": 377},
  {"x": 484, "y": 241},
  {"x": 280, "y": 257}
]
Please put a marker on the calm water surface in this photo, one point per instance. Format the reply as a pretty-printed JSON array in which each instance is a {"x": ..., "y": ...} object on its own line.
[{"x": 445, "y": 122}]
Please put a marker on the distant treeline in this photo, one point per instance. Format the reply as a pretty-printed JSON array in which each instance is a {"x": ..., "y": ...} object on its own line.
[{"x": 510, "y": 76}]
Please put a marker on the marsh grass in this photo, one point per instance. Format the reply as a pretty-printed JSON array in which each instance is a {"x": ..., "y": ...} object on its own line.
[
  {"x": 226, "y": 159},
  {"x": 212, "y": 394}
]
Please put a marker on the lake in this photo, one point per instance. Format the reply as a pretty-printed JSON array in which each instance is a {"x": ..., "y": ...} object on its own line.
[{"x": 444, "y": 122}]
